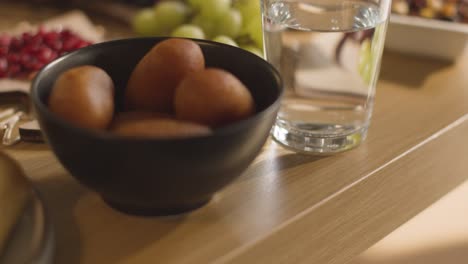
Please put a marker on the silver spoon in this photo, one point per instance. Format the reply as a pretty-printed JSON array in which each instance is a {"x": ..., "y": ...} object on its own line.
[{"x": 9, "y": 125}]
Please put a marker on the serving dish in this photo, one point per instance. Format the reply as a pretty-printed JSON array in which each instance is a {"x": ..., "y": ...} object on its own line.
[{"x": 426, "y": 37}]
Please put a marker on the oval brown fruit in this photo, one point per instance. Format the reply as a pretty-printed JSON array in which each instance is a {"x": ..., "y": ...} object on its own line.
[
  {"x": 159, "y": 128},
  {"x": 213, "y": 97},
  {"x": 137, "y": 115},
  {"x": 84, "y": 96},
  {"x": 153, "y": 81}
]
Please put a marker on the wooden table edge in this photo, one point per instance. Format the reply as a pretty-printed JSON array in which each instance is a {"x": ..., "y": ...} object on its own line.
[{"x": 295, "y": 241}]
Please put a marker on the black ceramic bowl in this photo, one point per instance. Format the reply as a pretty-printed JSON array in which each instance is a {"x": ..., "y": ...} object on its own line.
[{"x": 158, "y": 176}]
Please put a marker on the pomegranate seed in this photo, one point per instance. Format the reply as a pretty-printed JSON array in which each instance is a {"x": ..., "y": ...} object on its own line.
[
  {"x": 28, "y": 66},
  {"x": 37, "y": 39},
  {"x": 51, "y": 37},
  {"x": 4, "y": 50},
  {"x": 16, "y": 44},
  {"x": 31, "y": 49},
  {"x": 5, "y": 40},
  {"x": 66, "y": 33},
  {"x": 26, "y": 37},
  {"x": 14, "y": 70},
  {"x": 3, "y": 65},
  {"x": 70, "y": 44},
  {"x": 53, "y": 56},
  {"x": 13, "y": 58},
  {"x": 21, "y": 56},
  {"x": 45, "y": 55},
  {"x": 82, "y": 44},
  {"x": 25, "y": 58},
  {"x": 35, "y": 66},
  {"x": 57, "y": 45}
]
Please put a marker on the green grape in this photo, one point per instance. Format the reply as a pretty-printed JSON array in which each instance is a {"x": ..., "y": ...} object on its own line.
[
  {"x": 254, "y": 31},
  {"x": 226, "y": 40},
  {"x": 367, "y": 75},
  {"x": 208, "y": 25},
  {"x": 254, "y": 50},
  {"x": 195, "y": 4},
  {"x": 376, "y": 46},
  {"x": 170, "y": 14},
  {"x": 212, "y": 9},
  {"x": 144, "y": 23},
  {"x": 229, "y": 24},
  {"x": 365, "y": 61},
  {"x": 365, "y": 52},
  {"x": 188, "y": 31},
  {"x": 249, "y": 9}
]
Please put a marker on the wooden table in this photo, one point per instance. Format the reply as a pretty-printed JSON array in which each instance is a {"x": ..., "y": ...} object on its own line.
[{"x": 287, "y": 207}]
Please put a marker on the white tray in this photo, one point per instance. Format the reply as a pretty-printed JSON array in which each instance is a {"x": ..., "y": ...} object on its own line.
[{"x": 426, "y": 37}]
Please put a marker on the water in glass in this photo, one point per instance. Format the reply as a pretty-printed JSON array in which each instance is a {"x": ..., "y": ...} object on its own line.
[{"x": 328, "y": 53}]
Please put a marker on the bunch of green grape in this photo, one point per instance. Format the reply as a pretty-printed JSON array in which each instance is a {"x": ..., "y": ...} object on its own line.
[{"x": 233, "y": 22}]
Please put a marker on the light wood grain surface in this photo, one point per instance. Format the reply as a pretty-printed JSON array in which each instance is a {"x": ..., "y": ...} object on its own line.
[
  {"x": 437, "y": 235},
  {"x": 287, "y": 207}
]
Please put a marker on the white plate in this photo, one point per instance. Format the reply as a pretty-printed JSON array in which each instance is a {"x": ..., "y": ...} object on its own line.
[{"x": 426, "y": 37}]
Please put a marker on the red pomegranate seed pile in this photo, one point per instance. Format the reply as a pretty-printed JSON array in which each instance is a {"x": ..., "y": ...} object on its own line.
[{"x": 23, "y": 55}]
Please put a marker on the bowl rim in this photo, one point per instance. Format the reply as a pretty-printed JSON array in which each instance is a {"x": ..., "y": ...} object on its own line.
[{"x": 106, "y": 135}]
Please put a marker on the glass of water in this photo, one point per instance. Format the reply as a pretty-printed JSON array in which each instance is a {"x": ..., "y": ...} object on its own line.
[{"x": 328, "y": 53}]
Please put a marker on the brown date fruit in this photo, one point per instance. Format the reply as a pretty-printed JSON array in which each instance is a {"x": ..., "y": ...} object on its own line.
[
  {"x": 159, "y": 128},
  {"x": 153, "y": 81},
  {"x": 213, "y": 97},
  {"x": 137, "y": 115},
  {"x": 84, "y": 96}
]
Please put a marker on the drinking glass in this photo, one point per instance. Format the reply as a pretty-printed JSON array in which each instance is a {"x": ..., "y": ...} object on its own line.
[{"x": 328, "y": 53}]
